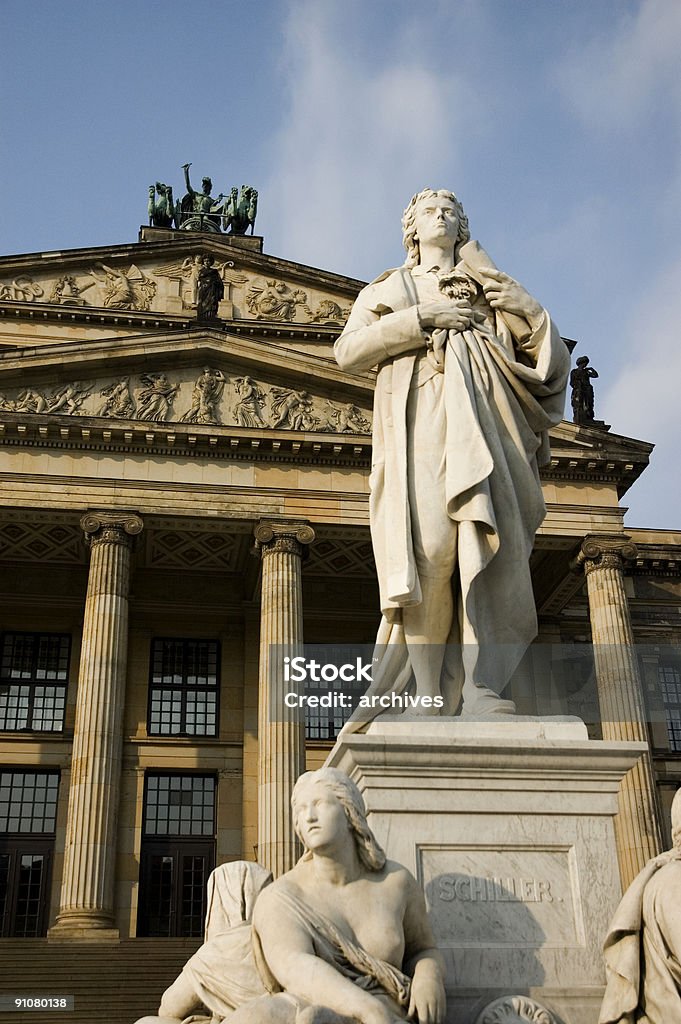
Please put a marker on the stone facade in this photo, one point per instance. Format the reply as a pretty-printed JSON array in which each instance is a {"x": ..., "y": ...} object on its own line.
[{"x": 118, "y": 408}]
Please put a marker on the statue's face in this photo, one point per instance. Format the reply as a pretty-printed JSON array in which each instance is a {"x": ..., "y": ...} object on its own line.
[
  {"x": 436, "y": 220},
  {"x": 320, "y": 817}
]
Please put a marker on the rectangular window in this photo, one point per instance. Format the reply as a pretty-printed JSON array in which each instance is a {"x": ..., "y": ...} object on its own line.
[
  {"x": 179, "y": 805},
  {"x": 28, "y": 801},
  {"x": 184, "y": 688},
  {"x": 28, "y": 813},
  {"x": 34, "y": 669},
  {"x": 177, "y": 854},
  {"x": 670, "y": 687}
]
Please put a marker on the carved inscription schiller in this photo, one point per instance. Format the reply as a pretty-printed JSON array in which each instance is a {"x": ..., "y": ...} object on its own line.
[{"x": 522, "y": 896}]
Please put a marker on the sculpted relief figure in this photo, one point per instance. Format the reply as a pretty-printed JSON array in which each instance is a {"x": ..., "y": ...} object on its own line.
[
  {"x": 119, "y": 402},
  {"x": 342, "y": 938},
  {"x": 643, "y": 947},
  {"x": 248, "y": 409},
  {"x": 205, "y": 397},
  {"x": 471, "y": 375},
  {"x": 155, "y": 397}
]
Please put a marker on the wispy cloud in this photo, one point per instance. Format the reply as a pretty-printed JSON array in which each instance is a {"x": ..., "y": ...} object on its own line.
[
  {"x": 613, "y": 78},
  {"x": 359, "y": 137}
]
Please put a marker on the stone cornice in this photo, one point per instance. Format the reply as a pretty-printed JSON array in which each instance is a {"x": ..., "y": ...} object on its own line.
[{"x": 184, "y": 440}]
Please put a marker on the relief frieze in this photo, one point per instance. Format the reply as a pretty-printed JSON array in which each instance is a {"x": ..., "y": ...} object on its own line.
[
  {"x": 173, "y": 288},
  {"x": 207, "y": 396}
]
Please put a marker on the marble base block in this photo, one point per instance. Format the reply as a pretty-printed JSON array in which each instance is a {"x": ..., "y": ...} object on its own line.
[{"x": 508, "y": 826}]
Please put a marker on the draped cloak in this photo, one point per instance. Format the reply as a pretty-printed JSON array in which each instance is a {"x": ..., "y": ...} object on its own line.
[
  {"x": 643, "y": 948},
  {"x": 501, "y": 396}
]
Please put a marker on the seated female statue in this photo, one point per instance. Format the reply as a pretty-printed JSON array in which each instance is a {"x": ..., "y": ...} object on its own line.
[{"x": 342, "y": 938}]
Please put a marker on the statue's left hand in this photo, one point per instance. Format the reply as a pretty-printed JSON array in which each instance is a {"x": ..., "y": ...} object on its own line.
[
  {"x": 506, "y": 294},
  {"x": 427, "y": 1003}
]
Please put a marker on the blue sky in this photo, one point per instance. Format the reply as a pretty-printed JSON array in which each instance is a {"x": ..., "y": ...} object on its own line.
[{"x": 557, "y": 122}]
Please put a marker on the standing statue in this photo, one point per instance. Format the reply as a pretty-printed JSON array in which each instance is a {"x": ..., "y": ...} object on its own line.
[
  {"x": 643, "y": 947},
  {"x": 582, "y": 397},
  {"x": 209, "y": 290},
  {"x": 342, "y": 938},
  {"x": 161, "y": 211},
  {"x": 471, "y": 375}
]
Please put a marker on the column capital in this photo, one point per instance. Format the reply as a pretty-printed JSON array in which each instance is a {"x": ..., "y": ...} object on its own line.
[
  {"x": 290, "y": 537},
  {"x": 111, "y": 527},
  {"x": 604, "y": 551}
]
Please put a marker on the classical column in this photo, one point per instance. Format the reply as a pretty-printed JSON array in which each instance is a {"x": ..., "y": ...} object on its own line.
[
  {"x": 281, "y": 729},
  {"x": 87, "y": 894},
  {"x": 620, "y": 694}
]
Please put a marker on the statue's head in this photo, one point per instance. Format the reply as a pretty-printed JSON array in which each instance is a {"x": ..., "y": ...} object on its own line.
[
  {"x": 409, "y": 231},
  {"x": 676, "y": 820},
  {"x": 333, "y": 782},
  {"x": 582, "y": 360},
  {"x": 207, "y": 185}
]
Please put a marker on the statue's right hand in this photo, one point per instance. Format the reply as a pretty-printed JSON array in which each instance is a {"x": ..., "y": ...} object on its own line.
[{"x": 451, "y": 315}]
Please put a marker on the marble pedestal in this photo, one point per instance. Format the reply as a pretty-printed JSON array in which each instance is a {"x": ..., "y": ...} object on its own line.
[{"x": 509, "y": 829}]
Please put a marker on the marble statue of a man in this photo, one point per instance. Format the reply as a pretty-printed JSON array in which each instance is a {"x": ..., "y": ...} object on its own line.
[
  {"x": 643, "y": 947},
  {"x": 471, "y": 375}
]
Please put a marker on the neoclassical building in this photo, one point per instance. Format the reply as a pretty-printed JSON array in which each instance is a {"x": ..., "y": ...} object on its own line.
[{"x": 181, "y": 497}]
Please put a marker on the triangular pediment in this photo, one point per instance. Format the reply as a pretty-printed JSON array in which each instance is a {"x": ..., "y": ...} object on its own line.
[
  {"x": 134, "y": 287},
  {"x": 205, "y": 377}
]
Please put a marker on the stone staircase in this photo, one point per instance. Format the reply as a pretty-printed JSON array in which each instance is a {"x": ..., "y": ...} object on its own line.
[{"x": 112, "y": 984}]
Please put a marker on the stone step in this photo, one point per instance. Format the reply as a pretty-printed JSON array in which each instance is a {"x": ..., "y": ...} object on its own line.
[{"x": 116, "y": 983}]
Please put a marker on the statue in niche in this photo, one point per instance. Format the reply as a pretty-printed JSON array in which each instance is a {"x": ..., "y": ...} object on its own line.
[
  {"x": 273, "y": 300},
  {"x": 582, "y": 397},
  {"x": 69, "y": 398},
  {"x": 198, "y": 211},
  {"x": 119, "y": 402},
  {"x": 239, "y": 212},
  {"x": 66, "y": 292},
  {"x": 161, "y": 210},
  {"x": 23, "y": 289},
  {"x": 342, "y": 938},
  {"x": 248, "y": 409},
  {"x": 292, "y": 409},
  {"x": 471, "y": 375},
  {"x": 643, "y": 947},
  {"x": 209, "y": 291},
  {"x": 155, "y": 397},
  {"x": 205, "y": 397},
  {"x": 187, "y": 271}
]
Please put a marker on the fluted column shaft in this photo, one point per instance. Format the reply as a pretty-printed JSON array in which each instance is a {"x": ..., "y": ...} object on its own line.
[
  {"x": 87, "y": 893},
  {"x": 281, "y": 730},
  {"x": 620, "y": 695}
]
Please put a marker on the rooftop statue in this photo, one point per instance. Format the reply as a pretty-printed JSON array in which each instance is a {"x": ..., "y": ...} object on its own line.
[
  {"x": 471, "y": 376},
  {"x": 582, "y": 398},
  {"x": 161, "y": 210},
  {"x": 199, "y": 211},
  {"x": 342, "y": 938}
]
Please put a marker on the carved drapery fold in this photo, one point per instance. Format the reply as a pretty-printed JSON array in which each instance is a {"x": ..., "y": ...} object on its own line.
[{"x": 281, "y": 730}]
